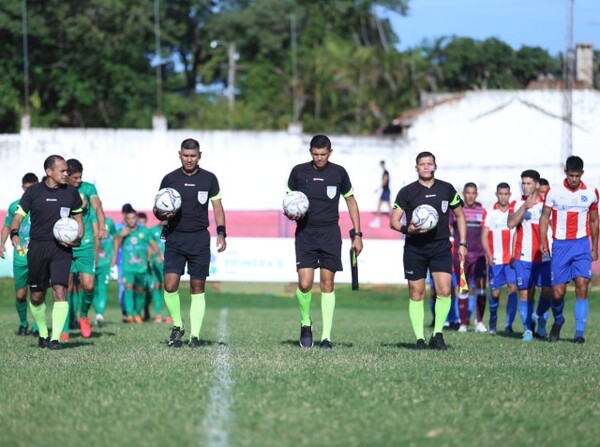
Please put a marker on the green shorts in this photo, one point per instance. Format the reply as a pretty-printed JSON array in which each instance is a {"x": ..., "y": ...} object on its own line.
[
  {"x": 21, "y": 275},
  {"x": 84, "y": 261},
  {"x": 103, "y": 273},
  {"x": 137, "y": 278}
]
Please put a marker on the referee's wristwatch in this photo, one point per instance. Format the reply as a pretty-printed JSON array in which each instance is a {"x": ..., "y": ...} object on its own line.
[
  {"x": 358, "y": 233},
  {"x": 464, "y": 244}
]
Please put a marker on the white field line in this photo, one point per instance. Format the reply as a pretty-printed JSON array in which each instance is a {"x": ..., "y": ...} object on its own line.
[{"x": 216, "y": 419}]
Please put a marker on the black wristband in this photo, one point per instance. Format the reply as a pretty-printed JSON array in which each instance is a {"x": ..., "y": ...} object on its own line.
[
  {"x": 221, "y": 230},
  {"x": 13, "y": 233},
  {"x": 404, "y": 229}
]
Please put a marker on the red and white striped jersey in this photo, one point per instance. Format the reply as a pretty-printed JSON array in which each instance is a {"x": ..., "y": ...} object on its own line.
[
  {"x": 499, "y": 235},
  {"x": 570, "y": 210},
  {"x": 527, "y": 244}
]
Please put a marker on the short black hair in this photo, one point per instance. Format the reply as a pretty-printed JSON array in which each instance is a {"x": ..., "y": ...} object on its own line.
[
  {"x": 502, "y": 185},
  {"x": 470, "y": 185},
  {"x": 142, "y": 215},
  {"x": 425, "y": 154},
  {"x": 574, "y": 164},
  {"x": 51, "y": 161},
  {"x": 531, "y": 173},
  {"x": 320, "y": 142},
  {"x": 544, "y": 182},
  {"x": 30, "y": 177},
  {"x": 74, "y": 166},
  {"x": 127, "y": 208},
  {"x": 190, "y": 143}
]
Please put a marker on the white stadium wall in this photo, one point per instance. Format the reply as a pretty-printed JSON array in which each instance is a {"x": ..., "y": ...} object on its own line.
[{"x": 483, "y": 137}]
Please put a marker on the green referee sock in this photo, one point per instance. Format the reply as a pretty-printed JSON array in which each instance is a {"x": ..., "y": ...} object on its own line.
[
  {"x": 22, "y": 312},
  {"x": 197, "y": 308},
  {"x": 174, "y": 305},
  {"x": 60, "y": 311},
  {"x": 442, "y": 308},
  {"x": 304, "y": 300},
  {"x": 416, "y": 312},
  {"x": 327, "y": 308},
  {"x": 39, "y": 316}
]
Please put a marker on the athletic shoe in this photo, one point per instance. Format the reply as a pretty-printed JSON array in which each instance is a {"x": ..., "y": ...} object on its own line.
[
  {"x": 194, "y": 343},
  {"x": 306, "y": 338},
  {"x": 527, "y": 336},
  {"x": 158, "y": 319},
  {"x": 462, "y": 328},
  {"x": 325, "y": 344},
  {"x": 64, "y": 336},
  {"x": 43, "y": 342},
  {"x": 99, "y": 319},
  {"x": 86, "y": 329},
  {"x": 128, "y": 319},
  {"x": 35, "y": 333},
  {"x": 480, "y": 327},
  {"x": 541, "y": 326},
  {"x": 169, "y": 320},
  {"x": 420, "y": 345},
  {"x": 508, "y": 330},
  {"x": 137, "y": 319},
  {"x": 492, "y": 326},
  {"x": 22, "y": 330},
  {"x": 437, "y": 342},
  {"x": 555, "y": 331},
  {"x": 54, "y": 345},
  {"x": 175, "y": 338},
  {"x": 579, "y": 340}
]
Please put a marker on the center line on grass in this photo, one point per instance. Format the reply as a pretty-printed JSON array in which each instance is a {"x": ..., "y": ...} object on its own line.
[{"x": 216, "y": 419}]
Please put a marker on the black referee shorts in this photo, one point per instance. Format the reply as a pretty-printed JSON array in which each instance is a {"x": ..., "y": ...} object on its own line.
[
  {"x": 49, "y": 263},
  {"x": 191, "y": 248},
  {"x": 434, "y": 256},
  {"x": 319, "y": 247}
]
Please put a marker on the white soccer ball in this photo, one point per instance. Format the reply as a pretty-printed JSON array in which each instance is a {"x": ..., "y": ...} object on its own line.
[
  {"x": 295, "y": 203},
  {"x": 66, "y": 230},
  {"x": 167, "y": 200},
  {"x": 425, "y": 217}
]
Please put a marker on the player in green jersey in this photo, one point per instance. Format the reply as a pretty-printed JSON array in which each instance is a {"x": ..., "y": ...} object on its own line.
[
  {"x": 84, "y": 256},
  {"x": 20, "y": 269},
  {"x": 135, "y": 242},
  {"x": 103, "y": 267}
]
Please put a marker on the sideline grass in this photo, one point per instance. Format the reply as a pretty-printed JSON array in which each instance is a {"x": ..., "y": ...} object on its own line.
[{"x": 123, "y": 386}]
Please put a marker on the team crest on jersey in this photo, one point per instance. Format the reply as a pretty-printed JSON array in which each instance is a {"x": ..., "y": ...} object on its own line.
[
  {"x": 64, "y": 212},
  {"x": 444, "y": 206},
  {"x": 584, "y": 199},
  {"x": 202, "y": 197},
  {"x": 134, "y": 240},
  {"x": 331, "y": 191}
]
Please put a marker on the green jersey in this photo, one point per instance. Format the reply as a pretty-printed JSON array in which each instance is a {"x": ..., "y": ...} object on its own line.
[
  {"x": 87, "y": 191},
  {"x": 23, "y": 232},
  {"x": 155, "y": 233},
  {"x": 135, "y": 250},
  {"x": 107, "y": 244}
]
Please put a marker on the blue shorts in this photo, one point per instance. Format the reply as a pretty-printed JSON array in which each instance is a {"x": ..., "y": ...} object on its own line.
[
  {"x": 571, "y": 259},
  {"x": 501, "y": 275},
  {"x": 385, "y": 195},
  {"x": 531, "y": 274}
]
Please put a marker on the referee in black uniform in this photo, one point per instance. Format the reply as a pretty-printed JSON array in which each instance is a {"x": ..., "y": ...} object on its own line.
[
  {"x": 188, "y": 239},
  {"x": 318, "y": 236},
  {"x": 431, "y": 250},
  {"x": 49, "y": 261}
]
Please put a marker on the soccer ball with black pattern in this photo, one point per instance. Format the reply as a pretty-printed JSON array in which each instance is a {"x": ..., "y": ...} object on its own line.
[
  {"x": 167, "y": 200},
  {"x": 295, "y": 203},
  {"x": 425, "y": 217},
  {"x": 66, "y": 230}
]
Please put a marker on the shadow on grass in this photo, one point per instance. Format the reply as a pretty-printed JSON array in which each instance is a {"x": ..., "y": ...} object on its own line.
[
  {"x": 296, "y": 343},
  {"x": 203, "y": 343},
  {"x": 410, "y": 346}
]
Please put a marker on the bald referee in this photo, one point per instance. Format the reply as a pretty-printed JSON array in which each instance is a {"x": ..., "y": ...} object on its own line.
[
  {"x": 318, "y": 236},
  {"x": 49, "y": 261}
]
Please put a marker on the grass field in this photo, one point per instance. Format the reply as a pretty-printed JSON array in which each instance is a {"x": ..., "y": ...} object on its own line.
[{"x": 251, "y": 385}]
